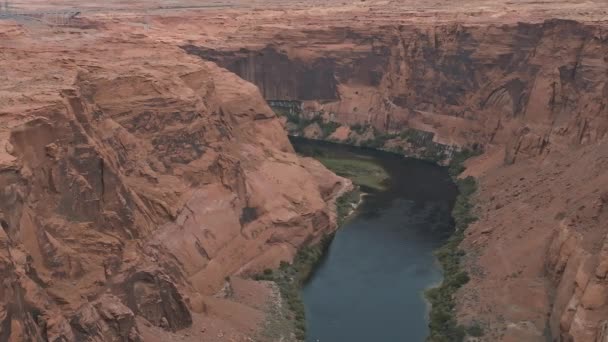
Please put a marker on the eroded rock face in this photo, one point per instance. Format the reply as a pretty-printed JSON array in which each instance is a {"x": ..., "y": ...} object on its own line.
[
  {"x": 106, "y": 319},
  {"x": 537, "y": 255},
  {"x": 153, "y": 296},
  {"x": 531, "y": 87},
  {"x": 134, "y": 179},
  {"x": 131, "y": 188},
  {"x": 279, "y": 77},
  {"x": 535, "y": 95}
]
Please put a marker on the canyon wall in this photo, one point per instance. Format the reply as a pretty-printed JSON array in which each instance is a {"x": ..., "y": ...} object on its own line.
[
  {"x": 137, "y": 183},
  {"x": 134, "y": 186},
  {"x": 530, "y": 86},
  {"x": 535, "y": 96}
]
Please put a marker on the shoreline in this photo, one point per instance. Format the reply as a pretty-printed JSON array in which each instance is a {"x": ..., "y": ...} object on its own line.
[
  {"x": 445, "y": 162},
  {"x": 348, "y": 199},
  {"x": 443, "y": 323},
  {"x": 290, "y": 278}
]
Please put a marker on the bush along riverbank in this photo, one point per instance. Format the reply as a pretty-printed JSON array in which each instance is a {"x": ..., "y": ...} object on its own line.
[
  {"x": 290, "y": 278},
  {"x": 442, "y": 321},
  {"x": 442, "y": 318},
  {"x": 319, "y": 125}
]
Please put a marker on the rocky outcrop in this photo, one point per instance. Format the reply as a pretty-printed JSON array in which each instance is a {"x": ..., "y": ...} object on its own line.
[
  {"x": 578, "y": 270},
  {"x": 106, "y": 319},
  {"x": 153, "y": 296},
  {"x": 133, "y": 187},
  {"x": 536, "y": 255}
]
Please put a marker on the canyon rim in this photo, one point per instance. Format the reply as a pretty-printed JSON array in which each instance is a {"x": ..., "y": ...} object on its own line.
[{"x": 144, "y": 178}]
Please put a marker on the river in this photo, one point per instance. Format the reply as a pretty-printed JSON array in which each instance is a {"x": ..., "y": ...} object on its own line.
[{"x": 370, "y": 285}]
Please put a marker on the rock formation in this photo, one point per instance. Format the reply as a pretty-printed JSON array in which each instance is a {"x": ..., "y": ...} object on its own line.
[
  {"x": 533, "y": 94},
  {"x": 138, "y": 181},
  {"x": 520, "y": 85},
  {"x": 133, "y": 185}
]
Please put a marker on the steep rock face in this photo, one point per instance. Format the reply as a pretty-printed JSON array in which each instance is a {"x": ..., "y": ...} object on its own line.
[
  {"x": 106, "y": 319},
  {"x": 132, "y": 188},
  {"x": 279, "y": 77},
  {"x": 537, "y": 255},
  {"x": 543, "y": 83},
  {"x": 535, "y": 95}
]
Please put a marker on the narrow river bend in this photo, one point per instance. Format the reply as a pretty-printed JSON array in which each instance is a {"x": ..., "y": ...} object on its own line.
[{"x": 370, "y": 285}]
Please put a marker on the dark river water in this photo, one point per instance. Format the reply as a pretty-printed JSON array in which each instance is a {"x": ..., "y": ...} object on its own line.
[{"x": 370, "y": 286}]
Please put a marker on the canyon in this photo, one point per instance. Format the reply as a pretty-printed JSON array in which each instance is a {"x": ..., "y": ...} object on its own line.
[
  {"x": 135, "y": 188},
  {"x": 144, "y": 178}
]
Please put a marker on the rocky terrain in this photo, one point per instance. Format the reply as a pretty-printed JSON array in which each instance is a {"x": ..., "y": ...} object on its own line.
[
  {"x": 137, "y": 184},
  {"x": 533, "y": 94},
  {"x": 465, "y": 84},
  {"x": 141, "y": 182}
]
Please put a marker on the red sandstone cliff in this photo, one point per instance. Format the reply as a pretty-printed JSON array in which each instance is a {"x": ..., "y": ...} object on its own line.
[
  {"x": 535, "y": 95},
  {"x": 134, "y": 181},
  {"x": 542, "y": 83},
  {"x": 135, "y": 178}
]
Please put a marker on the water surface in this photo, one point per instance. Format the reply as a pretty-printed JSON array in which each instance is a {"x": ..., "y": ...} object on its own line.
[{"x": 370, "y": 285}]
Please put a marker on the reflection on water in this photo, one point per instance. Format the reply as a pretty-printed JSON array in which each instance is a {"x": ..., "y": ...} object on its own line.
[{"x": 370, "y": 285}]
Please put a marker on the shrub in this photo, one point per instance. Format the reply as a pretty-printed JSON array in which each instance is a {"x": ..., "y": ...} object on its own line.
[
  {"x": 359, "y": 128},
  {"x": 433, "y": 152},
  {"x": 456, "y": 166},
  {"x": 290, "y": 277},
  {"x": 442, "y": 322},
  {"x": 417, "y": 137},
  {"x": 475, "y": 330},
  {"x": 344, "y": 204},
  {"x": 301, "y": 122},
  {"x": 328, "y": 128},
  {"x": 396, "y": 150},
  {"x": 379, "y": 139}
]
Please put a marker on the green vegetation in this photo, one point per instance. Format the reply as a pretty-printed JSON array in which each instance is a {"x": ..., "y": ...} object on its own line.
[
  {"x": 456, "y": 166},
  {"x": 395, "y": 149},
  {"x": 475, "y": 330},
  {"x": 346, "y": 203},
  {"x": 415, "y": 136},
  {"x": 433, "y": 152},
  {"x": 290, "y": 278},
  {"x": 327, "y": 128},
  {"x": 362, "y": 172},
  {"x": 421, "y": 140},
  {"x": 358, "y": 128},
  {"x": 295, "y": 116},
  {"x": 284, "y": 111},
  {"x": 442, "y": 321},
  {"x": 379, "y": 140},
  {"x": 300, "y": 123}
]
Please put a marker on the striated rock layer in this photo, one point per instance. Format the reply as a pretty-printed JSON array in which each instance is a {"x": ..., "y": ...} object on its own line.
[
  {"x": 532, "y": 87},
  {"x": 533, "y": 94},
  {"x": 135, "y": 181}
]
